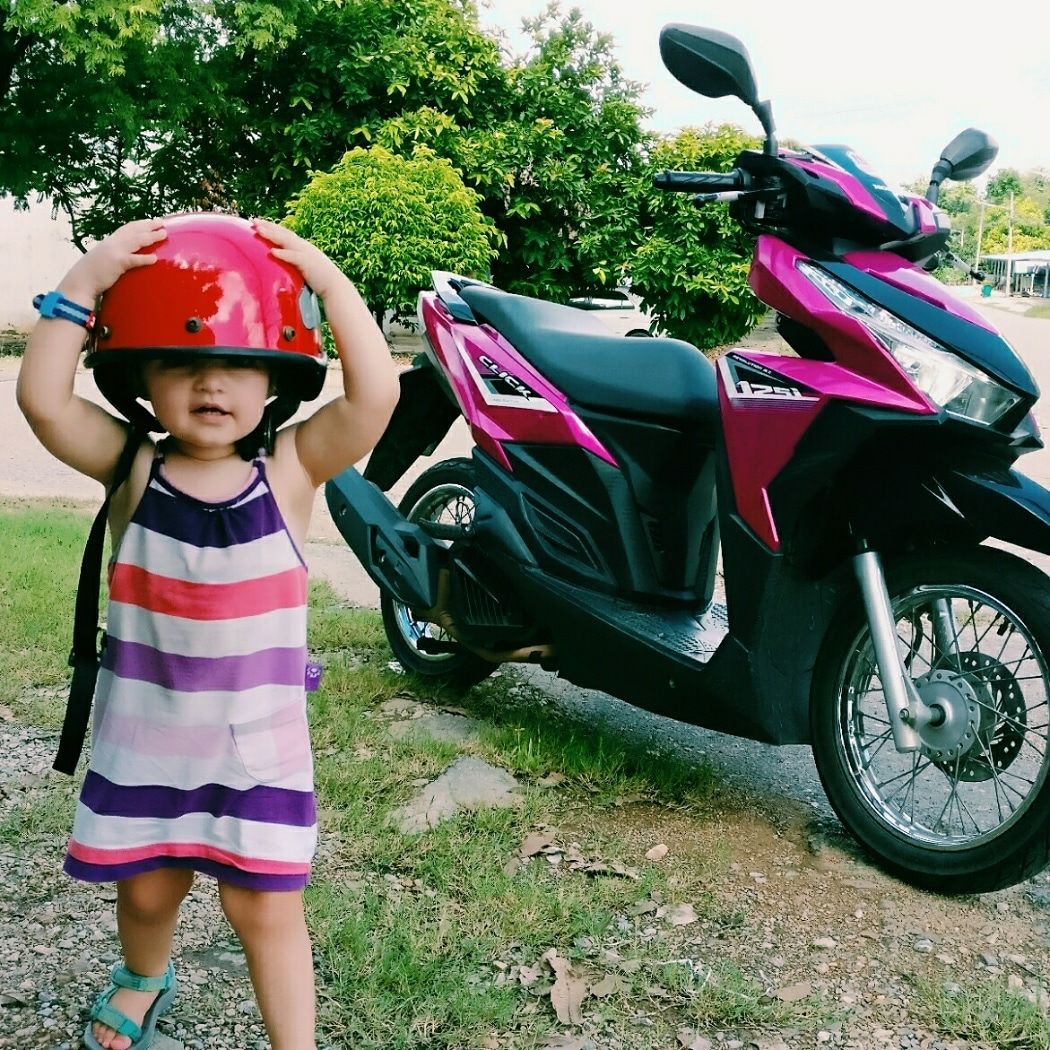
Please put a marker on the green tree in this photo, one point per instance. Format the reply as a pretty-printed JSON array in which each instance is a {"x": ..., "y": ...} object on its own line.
[
  {"x": 550, "y": 154},
  {"x": 387, "y": 221},
  {"x": 124, "y": 108},
  {"x": 100, "y": 100},
  {"x": 1002, "y": 184},
  {"x": 1030, "y": 231}
]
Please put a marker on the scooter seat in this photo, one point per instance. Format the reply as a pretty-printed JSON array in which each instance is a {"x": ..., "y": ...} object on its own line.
[{"x": 662, "y": 378}]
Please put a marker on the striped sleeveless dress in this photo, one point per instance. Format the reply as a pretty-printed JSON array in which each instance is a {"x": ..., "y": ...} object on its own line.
[{"x": 200, "y": 753}]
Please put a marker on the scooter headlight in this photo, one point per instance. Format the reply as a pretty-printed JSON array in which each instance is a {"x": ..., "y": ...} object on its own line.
[{"x": 945, "y": 378}]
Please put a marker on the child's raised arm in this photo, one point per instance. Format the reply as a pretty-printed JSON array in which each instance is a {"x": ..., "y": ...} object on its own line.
[
  {"x": 343, "y": 431},
  {"x": 74, "y": 430}
]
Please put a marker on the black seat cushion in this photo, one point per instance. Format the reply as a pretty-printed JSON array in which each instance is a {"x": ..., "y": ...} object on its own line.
[{"x": 661, "y": 378}]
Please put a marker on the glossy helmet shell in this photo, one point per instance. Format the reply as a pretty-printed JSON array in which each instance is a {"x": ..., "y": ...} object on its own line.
[{"x": 215, "y": 290}]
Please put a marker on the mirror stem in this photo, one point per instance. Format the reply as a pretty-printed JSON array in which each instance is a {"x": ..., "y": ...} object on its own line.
[{"x": 764, "y": 112}]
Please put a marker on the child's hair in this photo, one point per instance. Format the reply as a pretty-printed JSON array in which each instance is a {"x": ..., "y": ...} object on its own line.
[{"x": 215, "y": 290}]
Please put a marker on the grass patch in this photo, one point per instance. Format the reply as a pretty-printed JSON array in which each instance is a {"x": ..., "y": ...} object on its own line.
[
  {"x": 12, "y": 343},
  {"x": 987, "y": 1013},
  {"x": 43, "y": 814},
  {"x": 723, "y": 997},
  {"x": 425, "y": 941},
  {"x": 1042, "y": 310},
  {"x": 411, "y": 929},
  {"x": 38, "y": 582}
]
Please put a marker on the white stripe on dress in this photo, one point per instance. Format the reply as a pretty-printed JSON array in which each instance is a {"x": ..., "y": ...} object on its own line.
[
  {"x": 180, "y": 636},
  {"x": 247, "y": 838},
  {"x": 171, "y": 707},
  {"x": 132, "y": 751},
  {"x": 166, "y": 556}
]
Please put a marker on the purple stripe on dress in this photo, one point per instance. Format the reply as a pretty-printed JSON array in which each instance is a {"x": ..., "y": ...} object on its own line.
[
  {"x": 207, "y": 524},
  {"x": 251, "y": 880},
  {"x": 194, "y": 674},
  {"x": 261, "y": 803}
]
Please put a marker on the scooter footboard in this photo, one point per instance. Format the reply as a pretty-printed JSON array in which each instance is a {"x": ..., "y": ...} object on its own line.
[{"x": 398, "y": 555}]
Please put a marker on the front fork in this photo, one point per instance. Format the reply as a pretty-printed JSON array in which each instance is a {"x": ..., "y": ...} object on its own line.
[{"x": 907, "y": 712}]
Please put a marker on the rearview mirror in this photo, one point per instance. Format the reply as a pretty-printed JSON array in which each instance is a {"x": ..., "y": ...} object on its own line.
[
  {"x": 969, "y": 154},
  {"x": 714, "y": 64},
  {"x": 708, "y": 61}
]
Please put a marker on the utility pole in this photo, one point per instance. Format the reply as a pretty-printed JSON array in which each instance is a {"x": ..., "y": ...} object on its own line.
[
  {"x": 1010, "y": 248},
  {"x": 980, "y": 233}
]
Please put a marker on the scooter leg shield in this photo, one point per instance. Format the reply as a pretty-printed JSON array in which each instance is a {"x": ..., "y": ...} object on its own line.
[{"x": 399, "y": 556}]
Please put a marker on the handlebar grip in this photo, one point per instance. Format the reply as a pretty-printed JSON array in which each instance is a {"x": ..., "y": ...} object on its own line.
[{"x": 699, "y": 181}]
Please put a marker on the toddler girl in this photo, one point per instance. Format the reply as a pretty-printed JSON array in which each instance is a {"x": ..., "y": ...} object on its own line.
[{"x": 200, "y": 758}]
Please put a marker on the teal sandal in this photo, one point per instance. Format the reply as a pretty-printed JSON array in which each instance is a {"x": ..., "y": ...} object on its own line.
[{"x": 141, "y": 1036}]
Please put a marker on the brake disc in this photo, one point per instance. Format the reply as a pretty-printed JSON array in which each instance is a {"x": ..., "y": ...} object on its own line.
[{"x": 1001, "y": 720}]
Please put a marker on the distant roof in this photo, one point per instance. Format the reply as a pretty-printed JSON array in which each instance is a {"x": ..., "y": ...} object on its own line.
[{"x": 1037, "y": 255}]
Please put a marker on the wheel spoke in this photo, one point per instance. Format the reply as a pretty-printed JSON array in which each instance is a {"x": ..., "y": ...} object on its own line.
[
  {"x": 970, "y": 638},
  {"x": 879, "y": 743}
]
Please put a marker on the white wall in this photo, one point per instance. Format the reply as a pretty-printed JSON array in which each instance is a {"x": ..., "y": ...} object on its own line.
[{"x": 35, "y": 252}]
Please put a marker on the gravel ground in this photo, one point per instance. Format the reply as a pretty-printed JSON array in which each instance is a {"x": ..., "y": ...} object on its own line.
[
  {"x": 58, "y": 936},
  {"x": 797, "y": 909}
]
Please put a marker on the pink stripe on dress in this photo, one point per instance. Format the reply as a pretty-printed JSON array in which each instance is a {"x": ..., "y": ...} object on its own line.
[
  {"x": 207, "y": 601},
  {"x": 93, "y": 855}
]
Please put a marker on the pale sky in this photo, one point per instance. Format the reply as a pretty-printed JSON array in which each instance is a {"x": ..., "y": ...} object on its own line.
[{"x": 894, "y": 80}]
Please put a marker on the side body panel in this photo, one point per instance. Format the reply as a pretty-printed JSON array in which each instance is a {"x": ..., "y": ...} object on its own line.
[{"x": 503, "y": 398}]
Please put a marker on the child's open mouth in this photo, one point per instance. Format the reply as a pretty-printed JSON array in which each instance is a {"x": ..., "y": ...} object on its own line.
[{"x": 210, "y": 410}]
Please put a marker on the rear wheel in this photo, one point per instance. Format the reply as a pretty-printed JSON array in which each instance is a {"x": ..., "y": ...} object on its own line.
[
  {"x": 444, "y": 493},
  {"x": 970, "y": 810}
]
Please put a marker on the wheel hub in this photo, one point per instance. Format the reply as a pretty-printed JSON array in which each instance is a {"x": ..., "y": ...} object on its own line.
[
  {"x": 952, "y": 731},
  {"x": 1003, "y": 716}
]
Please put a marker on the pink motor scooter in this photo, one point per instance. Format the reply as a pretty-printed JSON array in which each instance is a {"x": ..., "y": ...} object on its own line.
[{"x": 849, "y": 490}]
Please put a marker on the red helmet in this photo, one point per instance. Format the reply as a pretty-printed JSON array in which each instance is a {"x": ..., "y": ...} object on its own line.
[{"x": 216, "y": 290}]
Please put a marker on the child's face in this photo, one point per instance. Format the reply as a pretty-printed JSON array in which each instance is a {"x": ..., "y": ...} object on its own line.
[{"x": 207, "y": 402}]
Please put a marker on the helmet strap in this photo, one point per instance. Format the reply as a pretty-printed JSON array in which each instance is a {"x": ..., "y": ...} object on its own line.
[{"x": 261, "y": 440}]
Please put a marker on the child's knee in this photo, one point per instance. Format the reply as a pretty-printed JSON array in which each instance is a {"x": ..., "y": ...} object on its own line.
[
  {"x": 260, "y": 912},
  {"x": 154, "y": 895}
]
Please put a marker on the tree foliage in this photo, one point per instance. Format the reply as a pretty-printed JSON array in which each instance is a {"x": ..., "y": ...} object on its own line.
[
  {"x": 387, "y": 221},
  {"x": 119, "y": 109},
  {"x": 558, "y": 136},
  {"x": 1003, "y": 184},
  {"x": 104, "y": 103},
  {"x": 690, "y": 265}
]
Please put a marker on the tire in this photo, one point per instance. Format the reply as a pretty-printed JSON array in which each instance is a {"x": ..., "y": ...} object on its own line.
[
  {"x": 970, "y": 811},
  {"x": 639, "y": 333},
  {"x": 443, "y": 492}
]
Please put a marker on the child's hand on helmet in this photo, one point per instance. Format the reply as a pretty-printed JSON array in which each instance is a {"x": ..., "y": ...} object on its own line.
[
  {"x": 97, "y": 270},
  {"x": 319, "y": 272}
]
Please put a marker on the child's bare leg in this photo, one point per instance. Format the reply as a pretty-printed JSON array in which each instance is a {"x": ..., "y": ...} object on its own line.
[
  {"x": 147, "y": 909},
  {"x": 271, "y": 927}
]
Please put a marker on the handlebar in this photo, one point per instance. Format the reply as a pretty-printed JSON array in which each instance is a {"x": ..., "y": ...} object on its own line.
[{"x": 700, "y": 181}]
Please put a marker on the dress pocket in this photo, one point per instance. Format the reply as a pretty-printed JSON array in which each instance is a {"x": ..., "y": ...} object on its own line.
[{"x": 275, "y": 746}]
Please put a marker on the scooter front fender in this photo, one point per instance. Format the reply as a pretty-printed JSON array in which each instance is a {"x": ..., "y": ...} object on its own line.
[
  {"x": 1002, "y": 504},
  {"x": 399, "y": 556}
]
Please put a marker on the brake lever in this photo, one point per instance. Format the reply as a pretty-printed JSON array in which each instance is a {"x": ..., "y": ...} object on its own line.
[{"x": 729, "y": 196}]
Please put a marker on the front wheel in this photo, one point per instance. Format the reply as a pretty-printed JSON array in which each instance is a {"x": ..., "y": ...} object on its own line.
[
  {"x": 443, "y": 493},
  {"x": 969, "y": 811}
]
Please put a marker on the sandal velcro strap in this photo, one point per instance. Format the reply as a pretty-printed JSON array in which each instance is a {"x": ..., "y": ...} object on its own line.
[
  {"x": 124, "y": 978},
  {"x": 104, "y": 1013},
  {"x": 113, "y": 1018}
]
